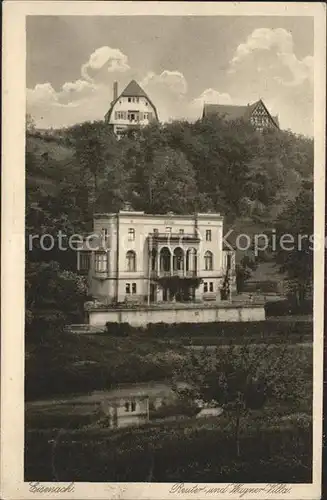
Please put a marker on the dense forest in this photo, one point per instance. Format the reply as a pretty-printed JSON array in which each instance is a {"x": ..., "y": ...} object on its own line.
[
  {"x": 256, "y": 180},
  {"x": 182, "y": 167}
]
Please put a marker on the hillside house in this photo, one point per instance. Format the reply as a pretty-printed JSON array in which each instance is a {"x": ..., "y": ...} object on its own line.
[
  {"x": 130, "y": 108},
  {"x": 257, "y": 114}
]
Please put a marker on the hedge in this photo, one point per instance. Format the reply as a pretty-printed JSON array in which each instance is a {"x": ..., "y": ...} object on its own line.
[
  {"x": 288, "y": 307},
  {"x": 259, "y": 330}
]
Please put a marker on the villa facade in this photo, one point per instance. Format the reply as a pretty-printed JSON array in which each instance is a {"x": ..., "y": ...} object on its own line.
[{"x": 134, "y": 257}]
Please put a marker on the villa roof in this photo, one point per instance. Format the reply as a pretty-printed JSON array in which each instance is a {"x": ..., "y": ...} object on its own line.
[
  {"x": 234, "y": 112},
  {"x": 133, "y": 89}
]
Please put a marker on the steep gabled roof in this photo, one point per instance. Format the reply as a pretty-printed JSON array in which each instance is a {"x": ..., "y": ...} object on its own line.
[
  {"x": 133, "y": 89},
  {"x": 232, "y": 112}
]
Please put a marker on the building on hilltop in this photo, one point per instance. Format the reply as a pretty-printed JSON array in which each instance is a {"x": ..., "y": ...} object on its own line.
[
  {"x": 134, "y": 257},
  {"x": 130, "y": 108},
  {"x": 257, "y": 114}
]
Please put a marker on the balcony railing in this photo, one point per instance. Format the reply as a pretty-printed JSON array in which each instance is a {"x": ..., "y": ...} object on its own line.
[
  {"x": 173, "y": 273},
  {"x": 181, "y": 237}
]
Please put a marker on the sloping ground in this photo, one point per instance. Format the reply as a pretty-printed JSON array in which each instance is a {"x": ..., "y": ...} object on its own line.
[
  {"x": 52, "y": 159},
  {"x": 57, "y": 148}
]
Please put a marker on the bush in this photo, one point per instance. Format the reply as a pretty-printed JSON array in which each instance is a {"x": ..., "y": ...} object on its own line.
[
  {"x": 288, "y": 307},
  {"x": 229, "y": 331},
  {"x": 179, "y": 407},
  {"x": 119, "y": 329}
]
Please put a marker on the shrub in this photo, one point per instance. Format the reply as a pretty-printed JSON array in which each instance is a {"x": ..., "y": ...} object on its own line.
[
  {"x": 119, "y": 329},
  {"x": 288, "y": 307}
]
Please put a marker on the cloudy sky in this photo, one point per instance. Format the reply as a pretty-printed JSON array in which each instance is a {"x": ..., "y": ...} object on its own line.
[{"x": 181, "y": 62}]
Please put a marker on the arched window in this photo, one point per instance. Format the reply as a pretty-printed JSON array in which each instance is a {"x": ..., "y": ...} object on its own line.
[
  {"x": 165, "y": 259},
  {"x": 153, "y": 256},
  {"x": 178, "y": 259},
  {"x": 191, "y": 260},
  {"x": 131, "y": 261},
  {"x": 208, "y": 261}
]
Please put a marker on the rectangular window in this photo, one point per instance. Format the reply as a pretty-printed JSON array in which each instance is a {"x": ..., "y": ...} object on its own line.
[
  {"x": 129, "y": 99},
  {"x": 101, "y": 262},
  {"x": 131, "y": 234},
  {"x": 84, "y": 261},
  {"x": 208, "y": 235},
  {"x": 133, "y": 288},
  {"x": 130, "y": 406},
  {"x": 229, "y": 261},
  {"x": 128, "y": 288},
  {"x": 205, "y": 287},
  {"x": 211, "y": 286},
  {"x": 120, "y": 115}
]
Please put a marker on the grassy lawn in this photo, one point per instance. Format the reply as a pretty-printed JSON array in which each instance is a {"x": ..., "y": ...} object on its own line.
[{"x": 273, "y": 449}]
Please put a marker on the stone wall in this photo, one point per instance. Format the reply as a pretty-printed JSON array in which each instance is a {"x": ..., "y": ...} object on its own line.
[{"x": 141, "y": 316}]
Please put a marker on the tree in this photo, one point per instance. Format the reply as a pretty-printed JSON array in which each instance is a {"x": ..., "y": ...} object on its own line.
[
  {"x": 52, "y": 296},
  {"x": 167, "y": 183},
  {"x": 244, "y": 272},
  {"x": 241, "y": 379},
  {"x": 94, "y": 149},
  {"x": 296, "y": 221}
]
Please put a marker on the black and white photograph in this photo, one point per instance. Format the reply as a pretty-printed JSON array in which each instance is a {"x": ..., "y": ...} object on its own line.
[{"x": 170, "y": 184}]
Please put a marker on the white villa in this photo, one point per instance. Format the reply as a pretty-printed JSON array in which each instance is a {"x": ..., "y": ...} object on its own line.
[{"x": 142, "y": 258}]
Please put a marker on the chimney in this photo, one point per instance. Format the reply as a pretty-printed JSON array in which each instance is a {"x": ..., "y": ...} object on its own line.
[{"x": 115, "y": 91}]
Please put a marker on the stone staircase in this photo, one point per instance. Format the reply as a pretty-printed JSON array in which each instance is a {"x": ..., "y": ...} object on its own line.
[{"x": 84, "y": 329}]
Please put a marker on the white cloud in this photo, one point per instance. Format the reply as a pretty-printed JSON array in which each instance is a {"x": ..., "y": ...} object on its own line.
[
  {"x": 212, "y": 96},
  {"x": 87, "y": 98},
  {"x": 167, "y": 91},
  {"x": 273, "y": 48},
  {"x": 104, "y": 59},
  {"x": 42, "y": 93},
  {"x": 173, "y": 81}
]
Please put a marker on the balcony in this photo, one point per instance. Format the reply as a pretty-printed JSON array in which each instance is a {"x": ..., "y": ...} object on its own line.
[
  {"x": 175, "y": 237},
  {"x": 173, "y": 273}
]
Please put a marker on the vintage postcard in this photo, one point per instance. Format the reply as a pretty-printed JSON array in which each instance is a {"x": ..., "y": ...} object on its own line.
[{"x": 163, "y": 250}]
